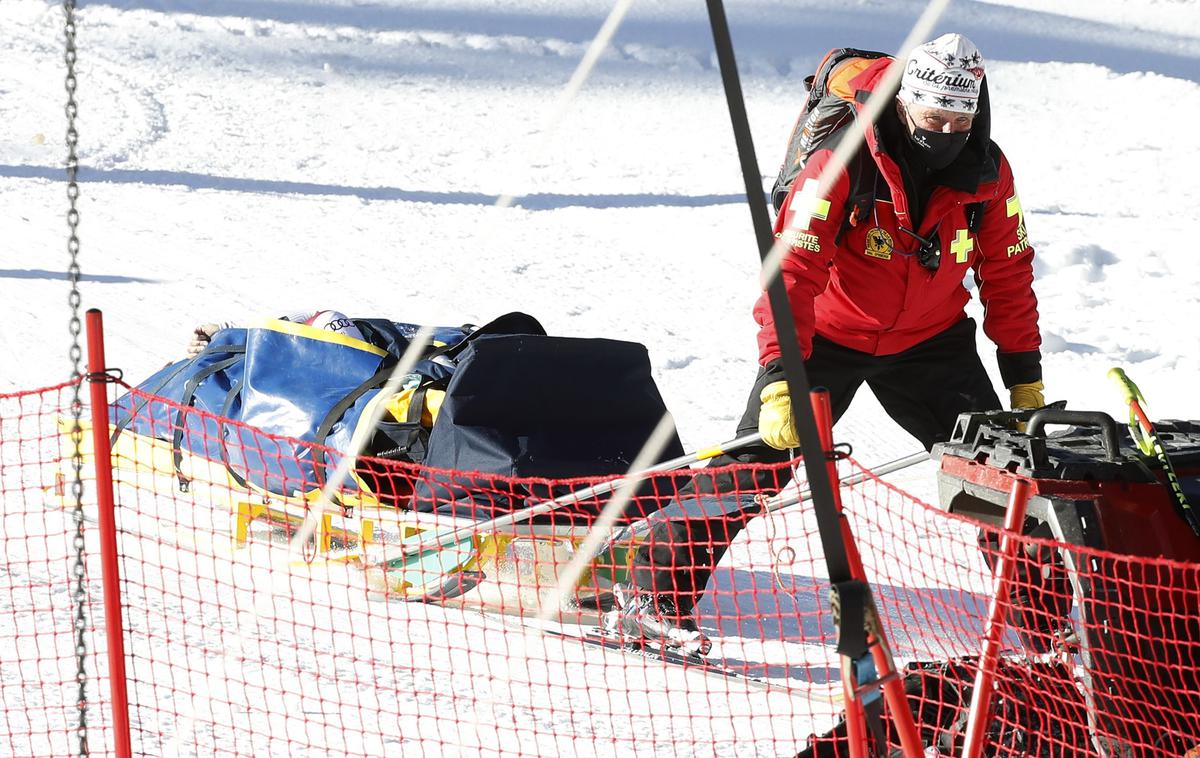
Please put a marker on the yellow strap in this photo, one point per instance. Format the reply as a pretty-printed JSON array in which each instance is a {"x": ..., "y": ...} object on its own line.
[
  {"x": 312, "y": 332},
  {"x": 398, "y": 404}
]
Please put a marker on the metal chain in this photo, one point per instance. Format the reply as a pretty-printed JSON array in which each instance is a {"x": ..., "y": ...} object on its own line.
[{"x": 79, "y": 568}]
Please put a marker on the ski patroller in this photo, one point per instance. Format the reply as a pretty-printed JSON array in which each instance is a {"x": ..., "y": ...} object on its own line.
[{"x": 1146, "y": 437}]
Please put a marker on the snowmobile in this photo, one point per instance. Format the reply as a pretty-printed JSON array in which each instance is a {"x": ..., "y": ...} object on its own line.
[{"x": 1103, "y": 598}]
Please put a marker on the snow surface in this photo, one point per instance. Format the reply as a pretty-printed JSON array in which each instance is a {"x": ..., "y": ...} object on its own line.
[{"x": 244, "y": 158}]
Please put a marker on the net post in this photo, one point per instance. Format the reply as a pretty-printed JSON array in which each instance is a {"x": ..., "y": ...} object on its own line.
[
  {"x": 892, "y": 684},
  {"x": 989, "y": 656},
  {"x": 823, "y": 416},
  {"x": 102, "y": 457}
]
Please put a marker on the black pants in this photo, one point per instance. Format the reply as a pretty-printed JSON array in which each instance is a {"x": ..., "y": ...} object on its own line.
[{"x": 923, "y": 389}]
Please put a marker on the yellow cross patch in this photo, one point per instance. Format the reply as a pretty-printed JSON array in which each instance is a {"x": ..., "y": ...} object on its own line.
[
  {"x": 1014, "y": 209},
  {"x": 962, "y": 246},
  {"x": 806, "y": 206}
]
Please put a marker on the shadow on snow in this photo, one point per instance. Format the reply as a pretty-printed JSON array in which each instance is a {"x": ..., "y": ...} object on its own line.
[
  {"x": 535, "y": 201},
  {"x": 39, "y": 273},
  {"x": 922, "y": 622}
]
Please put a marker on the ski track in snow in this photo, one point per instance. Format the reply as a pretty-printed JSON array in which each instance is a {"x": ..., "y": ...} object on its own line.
[{"x": 247, "y": 157}]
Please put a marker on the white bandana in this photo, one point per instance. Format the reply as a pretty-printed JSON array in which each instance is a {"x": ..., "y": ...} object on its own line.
[{"x": 946, "y": 73}]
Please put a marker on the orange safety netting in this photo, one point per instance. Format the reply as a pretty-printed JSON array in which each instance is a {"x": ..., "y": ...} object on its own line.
[{"x": 239, "y": 642}]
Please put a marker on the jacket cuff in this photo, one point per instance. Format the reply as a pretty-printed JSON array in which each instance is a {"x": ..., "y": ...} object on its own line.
[
  {"x": 1020, "y": 368},
  {"x": 771, "y": 372}
]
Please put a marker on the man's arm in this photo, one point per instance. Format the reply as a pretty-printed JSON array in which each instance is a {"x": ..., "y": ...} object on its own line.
[
  {"x": 809, "y": 225},
  {"x": 1004, "y": 274}
]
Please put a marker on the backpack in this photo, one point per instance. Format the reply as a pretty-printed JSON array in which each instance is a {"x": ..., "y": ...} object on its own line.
[
  {"x": 828, "y": 109},
  {"x": 523, "y": 414}
]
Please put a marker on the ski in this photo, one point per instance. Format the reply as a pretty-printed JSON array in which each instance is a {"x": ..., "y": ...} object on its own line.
[{"x": 596, "y": 637}]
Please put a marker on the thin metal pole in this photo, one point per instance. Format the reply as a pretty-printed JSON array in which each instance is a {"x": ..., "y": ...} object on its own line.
[{"x": 111, "y": 572}]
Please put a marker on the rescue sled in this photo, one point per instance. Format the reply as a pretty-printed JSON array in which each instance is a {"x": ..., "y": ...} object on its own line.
[{"x": 255, "y": 424}]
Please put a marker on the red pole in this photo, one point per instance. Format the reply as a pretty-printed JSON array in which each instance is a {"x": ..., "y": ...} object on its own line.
[
  {"x": 989, "y": 658},
  {"x": 102, "y": 455},
  {"x": 823, "y": 415},
  {"x": 856, "y": 726},
  {"x": 893, "y": 685}
]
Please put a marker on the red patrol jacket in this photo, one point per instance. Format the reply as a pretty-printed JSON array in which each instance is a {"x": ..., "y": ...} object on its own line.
[{"x": 869, "y": 292}]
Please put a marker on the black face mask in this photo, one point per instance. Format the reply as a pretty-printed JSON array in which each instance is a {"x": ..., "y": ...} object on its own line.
[{"x": 937, "y": 149}]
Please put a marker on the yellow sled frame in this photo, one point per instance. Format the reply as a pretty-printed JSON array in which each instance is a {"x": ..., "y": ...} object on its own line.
[{"x": 519, "y": 564}]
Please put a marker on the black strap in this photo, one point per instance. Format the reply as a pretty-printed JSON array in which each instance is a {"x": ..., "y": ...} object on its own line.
[
  {"x": 860, "y": 202},
  {"x": 150, "y": 394},
  {"x": 230, "y": 396},
  {"x": 849, "y": 601},
  {"x": 417, "y": 405},
  {"x": 189, "y": 397},
  {"x": 793, "y": 360},
  {"x": 377, "y": 380},
  {"x": 824, "y": 506}
]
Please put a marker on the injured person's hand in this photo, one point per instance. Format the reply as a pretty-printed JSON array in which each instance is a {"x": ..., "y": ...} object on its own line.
[{"x": 201, "y": 336}]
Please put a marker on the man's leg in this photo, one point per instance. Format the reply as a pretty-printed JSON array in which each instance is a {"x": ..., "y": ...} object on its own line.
[
  {"x": 926, "y": 387},
  {"x": 679, "y": 554}
]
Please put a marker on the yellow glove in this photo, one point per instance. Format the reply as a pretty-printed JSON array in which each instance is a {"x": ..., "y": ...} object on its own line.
[
  {"x": 1026, "y": 395},
  {"x": 775, "y": 422}
]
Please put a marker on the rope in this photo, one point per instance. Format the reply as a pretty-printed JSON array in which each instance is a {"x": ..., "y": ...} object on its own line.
[
  {"x": 782, "y": 558},
  {"x": 78, "y": 568}
]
